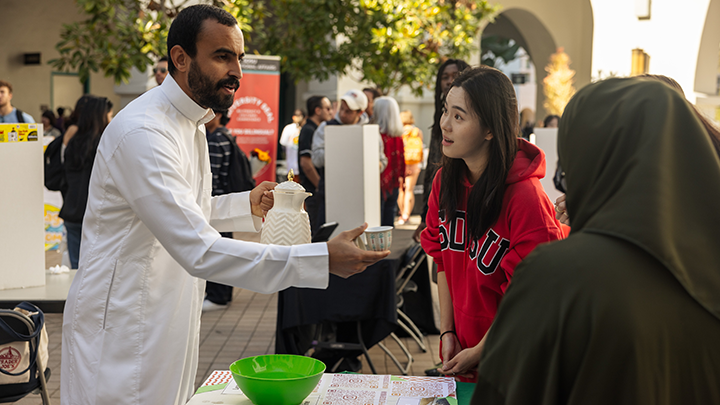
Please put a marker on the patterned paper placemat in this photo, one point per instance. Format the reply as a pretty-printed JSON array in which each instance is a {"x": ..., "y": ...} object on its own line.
[{"x": 218, "y": 377}]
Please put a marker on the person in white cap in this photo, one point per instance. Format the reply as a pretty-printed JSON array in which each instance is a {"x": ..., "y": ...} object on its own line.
[{"x": 352, "y": 106}]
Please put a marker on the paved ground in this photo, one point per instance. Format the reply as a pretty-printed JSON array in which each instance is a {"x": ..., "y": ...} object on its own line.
[{"x": 245, "y": 328}]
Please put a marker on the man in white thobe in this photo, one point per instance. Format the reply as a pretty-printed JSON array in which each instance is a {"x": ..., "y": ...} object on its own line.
[{"x": 150, "y": 234}]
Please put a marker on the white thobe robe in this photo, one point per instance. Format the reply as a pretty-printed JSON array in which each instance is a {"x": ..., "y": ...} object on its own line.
[{"x": 131, "y": 324}]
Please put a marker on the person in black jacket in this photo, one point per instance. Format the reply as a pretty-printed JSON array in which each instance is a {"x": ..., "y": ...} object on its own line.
[
  {"x": 447, "y": 72},
  {"x": 77, "y": 164},
  {"x": 223, "y": 167}
]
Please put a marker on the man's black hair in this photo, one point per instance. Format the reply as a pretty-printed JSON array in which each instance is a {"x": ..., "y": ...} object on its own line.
[
  {"x": 375, "y": 92},
  {"x": 163, "y": 59},
  {"x": 313, "y": 103},
  {"x": 186, "y": 27}
]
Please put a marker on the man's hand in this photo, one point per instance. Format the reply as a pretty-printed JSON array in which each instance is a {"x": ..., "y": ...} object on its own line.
[
  {"x": 347, "y": 259},
  {"x": 418, "y": 230},
  {"x": 261, "y": 199}
]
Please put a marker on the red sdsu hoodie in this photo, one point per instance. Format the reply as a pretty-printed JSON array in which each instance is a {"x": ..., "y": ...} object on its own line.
[{"x": 478, "y": 273}]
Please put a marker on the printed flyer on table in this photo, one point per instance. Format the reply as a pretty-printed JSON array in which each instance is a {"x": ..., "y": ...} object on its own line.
[{"x": 351, "y": 389}]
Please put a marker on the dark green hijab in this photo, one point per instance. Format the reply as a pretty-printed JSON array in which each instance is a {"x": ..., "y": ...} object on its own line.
[{"x": 641, "y": 167}]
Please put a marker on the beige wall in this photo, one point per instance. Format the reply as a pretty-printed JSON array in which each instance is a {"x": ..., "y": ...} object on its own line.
[
  {"x": 542, "y": 26},
  {"x": 681, "y": 39},
  {"x": 708, "y": 66},
  {"x": 36, "y": 27},
  {"x": 599, "y": 35}
]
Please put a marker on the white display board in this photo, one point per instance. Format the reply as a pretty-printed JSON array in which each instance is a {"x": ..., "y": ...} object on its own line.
[
  {"x": 546, "y": 139},
  {"x": 22, "y": 228},
  {"x": 352, "y": 175}
]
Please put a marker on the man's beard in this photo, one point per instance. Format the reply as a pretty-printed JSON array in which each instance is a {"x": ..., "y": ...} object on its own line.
[{"x": 208, "y": 94}]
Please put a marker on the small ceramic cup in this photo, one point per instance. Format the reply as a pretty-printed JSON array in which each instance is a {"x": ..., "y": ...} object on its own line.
[{"x": 377, "y": 238}]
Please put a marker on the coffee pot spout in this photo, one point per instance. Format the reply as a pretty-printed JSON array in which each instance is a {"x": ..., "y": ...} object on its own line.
[{"x": 299, "y": 199}]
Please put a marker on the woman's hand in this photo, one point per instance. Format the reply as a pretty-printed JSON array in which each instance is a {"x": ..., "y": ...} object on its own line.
[
  {"x": 561, "y": 211},
  {"x": 450, "y": 348},
  {"x": 416, "y": 235},
  {"x": 464, "y": 362}
]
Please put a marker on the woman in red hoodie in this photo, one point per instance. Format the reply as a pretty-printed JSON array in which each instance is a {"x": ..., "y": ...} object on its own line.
[{"x": 487, "y": 211}]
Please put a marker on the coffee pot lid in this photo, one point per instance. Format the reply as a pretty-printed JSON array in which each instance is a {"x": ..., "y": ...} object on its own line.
[{"x": 289, "y": 185}]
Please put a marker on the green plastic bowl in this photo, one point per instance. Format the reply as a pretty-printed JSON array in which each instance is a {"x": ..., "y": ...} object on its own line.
[{"x": 277, "y": 379}]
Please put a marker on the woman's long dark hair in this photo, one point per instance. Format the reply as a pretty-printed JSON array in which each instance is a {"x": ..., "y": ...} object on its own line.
[
  {"x": 51, "y": 117},
  {"x": 491, "y": 98},
  {"x": 74, "y": 114},
  {"x": 91, "y": 122}
]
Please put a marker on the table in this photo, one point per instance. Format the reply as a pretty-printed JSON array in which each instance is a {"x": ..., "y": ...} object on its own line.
[
  {"x": 50, "y": 298},
  {"x": 212, "y": 394},
  {"x": 368, "y": 297}
]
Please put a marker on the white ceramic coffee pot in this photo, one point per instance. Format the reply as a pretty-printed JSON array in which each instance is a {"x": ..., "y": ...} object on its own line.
[{"x": 287, "y": 223}]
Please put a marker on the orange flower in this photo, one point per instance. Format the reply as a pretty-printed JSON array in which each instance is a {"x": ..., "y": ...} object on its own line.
[{"x": 261, "y": 155}]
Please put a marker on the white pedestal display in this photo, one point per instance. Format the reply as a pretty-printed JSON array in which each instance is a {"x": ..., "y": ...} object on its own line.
[
  {"x": 22, "y": 238},
  {"x": 352, "y": 176},
  {"x": 546, "y": 139}
]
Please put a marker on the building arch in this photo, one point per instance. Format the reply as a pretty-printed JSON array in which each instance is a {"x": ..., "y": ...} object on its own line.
[
  {"x": 541, "y": 27},
  {"x": 528, "y": 32}
]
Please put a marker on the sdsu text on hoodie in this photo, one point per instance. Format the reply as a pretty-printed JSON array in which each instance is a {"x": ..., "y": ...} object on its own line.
[{"x": 479, "y": 272}]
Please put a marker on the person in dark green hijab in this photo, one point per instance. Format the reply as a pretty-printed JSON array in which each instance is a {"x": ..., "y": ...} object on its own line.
[{"x": 626, "y": 310}]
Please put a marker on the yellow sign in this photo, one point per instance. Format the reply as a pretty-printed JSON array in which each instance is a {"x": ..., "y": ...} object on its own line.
[{"x": 18, "y": 133}]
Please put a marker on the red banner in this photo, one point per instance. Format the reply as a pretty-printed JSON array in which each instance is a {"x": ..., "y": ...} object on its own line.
[{"x": 254, "y": 114}]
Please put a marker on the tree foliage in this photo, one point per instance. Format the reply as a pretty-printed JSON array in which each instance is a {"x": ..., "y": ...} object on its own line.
[
  {"x": 389, "y": 43},
  {"x": 385, "y": 42},
  {"x": 558, "y": 84},
  {"x": 120, "y": 34},
  {"x": 497, "y": 49}
]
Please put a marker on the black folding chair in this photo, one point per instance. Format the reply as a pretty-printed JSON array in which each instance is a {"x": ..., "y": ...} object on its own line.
[
  {"x": 414, "y": 259},
  {"x": 17, "y": 327}
]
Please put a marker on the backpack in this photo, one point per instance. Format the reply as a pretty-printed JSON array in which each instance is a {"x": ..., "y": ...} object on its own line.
[
  {"x": 239, "y": 173},
  {"x": 24, "y": 354},
  {"x": 20, "y": 118},
  {"x": 413, "y": 145},
  {"x": 54, "y": 172}
]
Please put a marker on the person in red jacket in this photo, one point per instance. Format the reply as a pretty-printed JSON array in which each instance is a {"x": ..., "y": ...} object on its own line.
[{"x": 487, "y": 211}]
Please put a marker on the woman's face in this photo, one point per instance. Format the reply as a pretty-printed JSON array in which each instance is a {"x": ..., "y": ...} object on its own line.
[
  {"x": 448, "y": 75},
  {"x": 463, "y": 136},
  {"x": 46, "y": 123},
  {"x": 553, "y": 123}
]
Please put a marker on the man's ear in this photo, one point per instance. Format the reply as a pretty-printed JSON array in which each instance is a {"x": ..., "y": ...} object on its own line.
[{"x": 180, "y": 58}]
